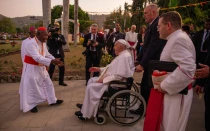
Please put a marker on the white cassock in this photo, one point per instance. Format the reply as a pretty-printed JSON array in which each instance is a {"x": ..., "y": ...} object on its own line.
[
  {"x": 176, "y": 108},
  {"x": 121, "y": 67},
  {"x": 23, "y": 52},
  {"x": 131, "y": 38},
  {"x": 36, "y": 85}
]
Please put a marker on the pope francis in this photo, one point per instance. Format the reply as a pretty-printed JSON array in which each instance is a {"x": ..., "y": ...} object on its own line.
[{"x": 121, "y": 67}]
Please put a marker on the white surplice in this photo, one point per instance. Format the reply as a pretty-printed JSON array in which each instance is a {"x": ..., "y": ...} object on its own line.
[
  {"x": 179, "y": 49},
  {"x": 132, "y": 37},
  {"x": 121, "y": 67},
  {"x": 36, "y": 85}
]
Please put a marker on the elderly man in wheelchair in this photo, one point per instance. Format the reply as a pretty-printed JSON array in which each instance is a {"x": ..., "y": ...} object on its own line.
[{"x": 120, "y": 69}]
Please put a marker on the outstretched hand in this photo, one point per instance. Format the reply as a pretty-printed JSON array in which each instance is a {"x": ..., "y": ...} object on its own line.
[
  {"x": 94, "y": 69},
  {"x": 203, "y": 72},
  {"x": 58, "y": 62}
]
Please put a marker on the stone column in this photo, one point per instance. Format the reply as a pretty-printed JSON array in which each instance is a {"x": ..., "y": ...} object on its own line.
[
  {"x": 66, "y": 23},
  {"x": 76, "y": 33},
  {"x": 46, "y": 8}
]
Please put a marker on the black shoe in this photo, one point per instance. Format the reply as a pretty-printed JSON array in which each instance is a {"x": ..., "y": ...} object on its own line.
[
  {"x": 62, "y": 84},
  {"x": 79, "y": 105},
  {"x": 78, "y": 113},
  {"x": 34, "y": 110},
  {"x": 58, "y": 102},
  {"x": 80, "y": 116}
]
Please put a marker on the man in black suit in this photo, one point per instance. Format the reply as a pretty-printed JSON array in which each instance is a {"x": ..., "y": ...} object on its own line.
[
  {"x": 201, "y": 48},
  {"x": 55, "y": 42},
  {"x": 151, "y": 50},
  {"x": 203, "y": 73},
  {"x": 94, "y": 42},
  {"x": 113, "y": 38}
]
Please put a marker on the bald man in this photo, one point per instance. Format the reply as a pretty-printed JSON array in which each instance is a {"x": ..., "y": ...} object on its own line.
[
  {"x": 121, "y": 67},
  {"x": 131, "y": 38},
  {"x": 36, "y": 85},
  {"x": 151, "y": 50}
]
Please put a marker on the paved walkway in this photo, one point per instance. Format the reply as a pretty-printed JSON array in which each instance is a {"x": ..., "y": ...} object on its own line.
[{"x": 62, "y": 118}]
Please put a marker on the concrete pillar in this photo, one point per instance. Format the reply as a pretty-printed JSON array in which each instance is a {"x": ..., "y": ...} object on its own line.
[
  {"x": 76, "y": 33},
  {"x": 65, "y": 23},
  {"x": 46, "y": 8}
]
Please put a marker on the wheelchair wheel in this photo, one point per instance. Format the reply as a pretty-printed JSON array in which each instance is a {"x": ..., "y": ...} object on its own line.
[
  {"x": 135, "y": 88},
  {"x": 120, "y": 104},
  {"x": 100, "y": 119}
]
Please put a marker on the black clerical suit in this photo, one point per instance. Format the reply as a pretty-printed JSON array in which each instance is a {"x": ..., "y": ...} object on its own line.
[
  {"x": 201, "y": 54},
  {"x": 206, "y": 84},
  {"x": 151, "y": 50},
  {"x": 55, "y": 43},
  {"x": 93, "y": 53}
]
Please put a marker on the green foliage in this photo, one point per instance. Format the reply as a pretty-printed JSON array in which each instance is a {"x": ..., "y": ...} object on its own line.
[
  {"x": 82, "y": 16},
  {"x": 6, "y": 25},
  {"x": 117, "y": 16},
  {"x": 106, "y": 59}
]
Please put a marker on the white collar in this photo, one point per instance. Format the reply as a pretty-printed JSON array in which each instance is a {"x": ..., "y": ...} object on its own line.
[{"x": 174, "y": 33}]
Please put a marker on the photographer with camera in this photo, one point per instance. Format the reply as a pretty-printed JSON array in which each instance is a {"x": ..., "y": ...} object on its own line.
[
  {"x": 94, "y": 42},
  {"x": 55, "y": 42}
]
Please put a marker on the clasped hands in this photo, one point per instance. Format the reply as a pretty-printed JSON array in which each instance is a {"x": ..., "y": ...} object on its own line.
[
  {"x": 203, "y": 72},
  {"x": 57, "y": 61}
]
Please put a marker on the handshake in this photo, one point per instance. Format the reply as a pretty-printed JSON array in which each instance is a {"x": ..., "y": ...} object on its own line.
[{"x": 57, "y": 61}]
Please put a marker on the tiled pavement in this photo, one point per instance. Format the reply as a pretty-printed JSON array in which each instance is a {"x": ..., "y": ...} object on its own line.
[{"x": 62, "y": 118}]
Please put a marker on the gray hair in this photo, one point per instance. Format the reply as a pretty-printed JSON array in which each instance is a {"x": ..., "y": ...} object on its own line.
[
  {"x": 154, "y": 7},
  {"x": 94, "y": 25}
]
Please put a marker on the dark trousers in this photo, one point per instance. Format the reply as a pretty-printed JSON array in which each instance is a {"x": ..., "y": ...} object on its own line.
[
  {"x": 145, "y": 87},
  {"x": 92, "y": 60},
  {"x": 207, "y": 107},
  {"x": 61, "y": 69}
]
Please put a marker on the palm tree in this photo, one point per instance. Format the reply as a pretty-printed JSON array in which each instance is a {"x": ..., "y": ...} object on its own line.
[
  {"x": 66, "y": 23},
  {"x": 46, "y": 8}
]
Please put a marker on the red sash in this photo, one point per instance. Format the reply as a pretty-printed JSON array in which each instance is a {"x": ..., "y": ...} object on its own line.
[
  {"x": 131, "y": 43},
  {"x": 154, "y": 111},
  {"x": 134, "y": 51},
  {"x": 30, "y": 60}
]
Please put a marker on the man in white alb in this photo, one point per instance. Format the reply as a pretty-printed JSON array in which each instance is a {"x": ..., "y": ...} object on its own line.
[
  {"x": 36, "y": 85},
  {"x": 131, "y": 38},
  {"x": 179, "y": 49},
  {"x": 121, "y": 67}
]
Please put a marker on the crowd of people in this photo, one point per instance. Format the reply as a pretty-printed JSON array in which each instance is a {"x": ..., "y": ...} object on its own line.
[{"x": 165, "y": 38}]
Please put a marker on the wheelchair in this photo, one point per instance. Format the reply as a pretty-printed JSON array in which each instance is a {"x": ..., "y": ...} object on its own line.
[{"x": 117, "y": 102}]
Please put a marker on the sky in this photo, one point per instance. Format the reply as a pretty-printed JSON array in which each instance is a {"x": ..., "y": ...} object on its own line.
[{"x": 18, "y": 8}]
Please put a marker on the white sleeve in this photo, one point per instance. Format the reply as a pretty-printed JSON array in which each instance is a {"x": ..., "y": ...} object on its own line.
[
  {"x": 126, "y": 37},
  {"x": 22, "y": 51},
  {"x": 182, "y": 76},
  {"x": 32, "y": 50}
]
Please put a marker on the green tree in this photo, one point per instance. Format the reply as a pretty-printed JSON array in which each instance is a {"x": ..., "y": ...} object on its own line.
[
  {"x": 137, "y": 13},
  {"x": 117, "y": 16},
  {"x": 6, "y": 25},
  {"x": 83, "y": 17}
]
